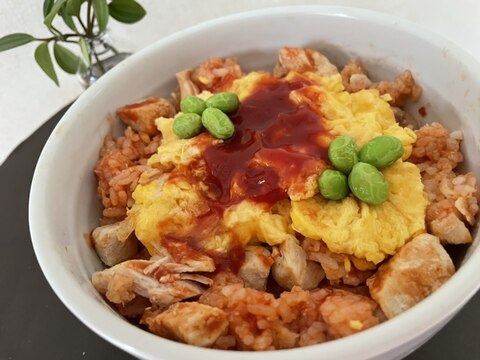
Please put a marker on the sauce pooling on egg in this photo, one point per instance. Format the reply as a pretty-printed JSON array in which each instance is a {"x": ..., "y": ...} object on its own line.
[{"x": 275, "y": 142}]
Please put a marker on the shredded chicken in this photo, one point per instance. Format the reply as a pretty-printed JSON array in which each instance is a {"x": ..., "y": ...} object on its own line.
[
  {"x": 159, "y": 279},
  {"x": 186, "y": 84},
  {"x": 302, "y": 60}
]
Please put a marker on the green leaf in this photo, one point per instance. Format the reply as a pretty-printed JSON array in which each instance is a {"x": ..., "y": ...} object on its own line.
[
  {"x": 73, "y": 7},
  {"x": 84, "y": 48},
  {"x": 67, "y": 60},
  {"x": 67, "y": 19},
  {"x": 47, "y": 6},
  {"x": 126, "y": 11},
  {"x": 43, "y": 59},
  {"x": 100, "y": 9},
  {"x": 14, "y": 40},
  {"x": 53, "y": 12}
]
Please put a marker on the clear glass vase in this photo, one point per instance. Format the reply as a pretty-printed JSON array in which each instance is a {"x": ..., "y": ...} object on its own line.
[{"x": 103, "y": 56}]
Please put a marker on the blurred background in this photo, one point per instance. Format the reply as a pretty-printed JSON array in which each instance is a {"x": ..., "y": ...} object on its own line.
[{"x": 29, "y": 98}]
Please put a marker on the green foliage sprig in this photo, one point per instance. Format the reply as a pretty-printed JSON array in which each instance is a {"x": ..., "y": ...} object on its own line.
[{"x": 85, "y": 25}]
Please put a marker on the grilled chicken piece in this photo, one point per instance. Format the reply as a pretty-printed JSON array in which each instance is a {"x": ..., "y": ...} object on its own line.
[
  {"x": 156, "y": 279},
  {"x": 413, "y": 273},
  {"x": 112, "y": 246},
  {"x": 217, "y": 74},
  {"x": 142, "y": 114},
  {"x": 302, "y": 60},
  {"x": 185, "y": 83},
  {"x": 451, "y": 230},
  {"x": 291, "y": 267},
  {"x": 355, "y": 77},
  {"x": 190, "y": 322},
  {"x": 256, "y": 267}
]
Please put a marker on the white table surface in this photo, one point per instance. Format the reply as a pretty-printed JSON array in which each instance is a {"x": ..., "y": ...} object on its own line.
[{"x": 28, "y": 98}]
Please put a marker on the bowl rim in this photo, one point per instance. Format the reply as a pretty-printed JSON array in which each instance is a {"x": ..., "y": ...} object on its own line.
[{"x": 411, "y": 324}]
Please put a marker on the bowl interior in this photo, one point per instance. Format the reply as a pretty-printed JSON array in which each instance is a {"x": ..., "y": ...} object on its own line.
[{"x": 64, "y": 205}]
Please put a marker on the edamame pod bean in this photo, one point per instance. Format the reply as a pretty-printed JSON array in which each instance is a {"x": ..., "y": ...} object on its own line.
[
  {"x": 333, "y": 184},
  {"x": 192, "y": 104},
  {"x": 226, "y": 101},
  {"x": 343, "y": 153},
  {"x": 382, "y": 151},
  {"x": 187, "y": 126},
  {"x": 217, "y": 123},
  {"x": 368, "y": 184}
]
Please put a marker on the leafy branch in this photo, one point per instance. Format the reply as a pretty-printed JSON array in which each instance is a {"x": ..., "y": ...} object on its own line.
[{"x": 87, "y": 20}]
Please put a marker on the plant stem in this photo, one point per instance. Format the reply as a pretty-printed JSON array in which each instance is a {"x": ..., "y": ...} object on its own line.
[
  {"x": 82, "y": 24},
  {"x": 61, "y": 37},
  {"x": 89, "y": 19},
  {"x": 59, "y": 33}
]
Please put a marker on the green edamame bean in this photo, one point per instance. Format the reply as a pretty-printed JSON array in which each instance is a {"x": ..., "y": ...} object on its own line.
[
  {"x": 187, "y": 126},
  {"x": 217, "y": 123},
  {"x": 226, "y": 101},
  {"x": 192, "y": 104},
  {"x": 333, "y": 184},
  {"x": 382, "y": 151},
  {"x": 368, "y": 184},
  {"x": 343, "y": 153}
]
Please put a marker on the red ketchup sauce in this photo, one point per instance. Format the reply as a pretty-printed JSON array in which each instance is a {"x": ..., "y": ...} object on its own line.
[{"x": 275, "y": 142}]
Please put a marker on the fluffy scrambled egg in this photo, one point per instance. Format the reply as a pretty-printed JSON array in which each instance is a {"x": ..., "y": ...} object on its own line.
[
  {"x": 367, "y": 231},
  {"x": 173, "y": 205},
  {"x": 363, "y": 115},
  {"x": 349, "y": 226}
]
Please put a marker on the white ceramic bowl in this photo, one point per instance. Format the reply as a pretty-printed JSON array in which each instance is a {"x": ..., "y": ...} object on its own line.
[{"x": 63, "y": 203}]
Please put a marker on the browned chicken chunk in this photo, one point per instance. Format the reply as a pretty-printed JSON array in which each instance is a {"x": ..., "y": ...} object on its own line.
[
  {"x": 256, "y": 267},
  {"x": 142, "y": 114},
  {"x": 413, "y": 273},
  {"x": 111, "y": 246},
  {"x": 185, "y": 83},
  {"x": 355, "y": 77},
  {"x": 291, "y": 267},
  {"x": 191, "y": 323},
  {"x": 217, "y": 74},
  {"x": 451, "y": 230}
]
